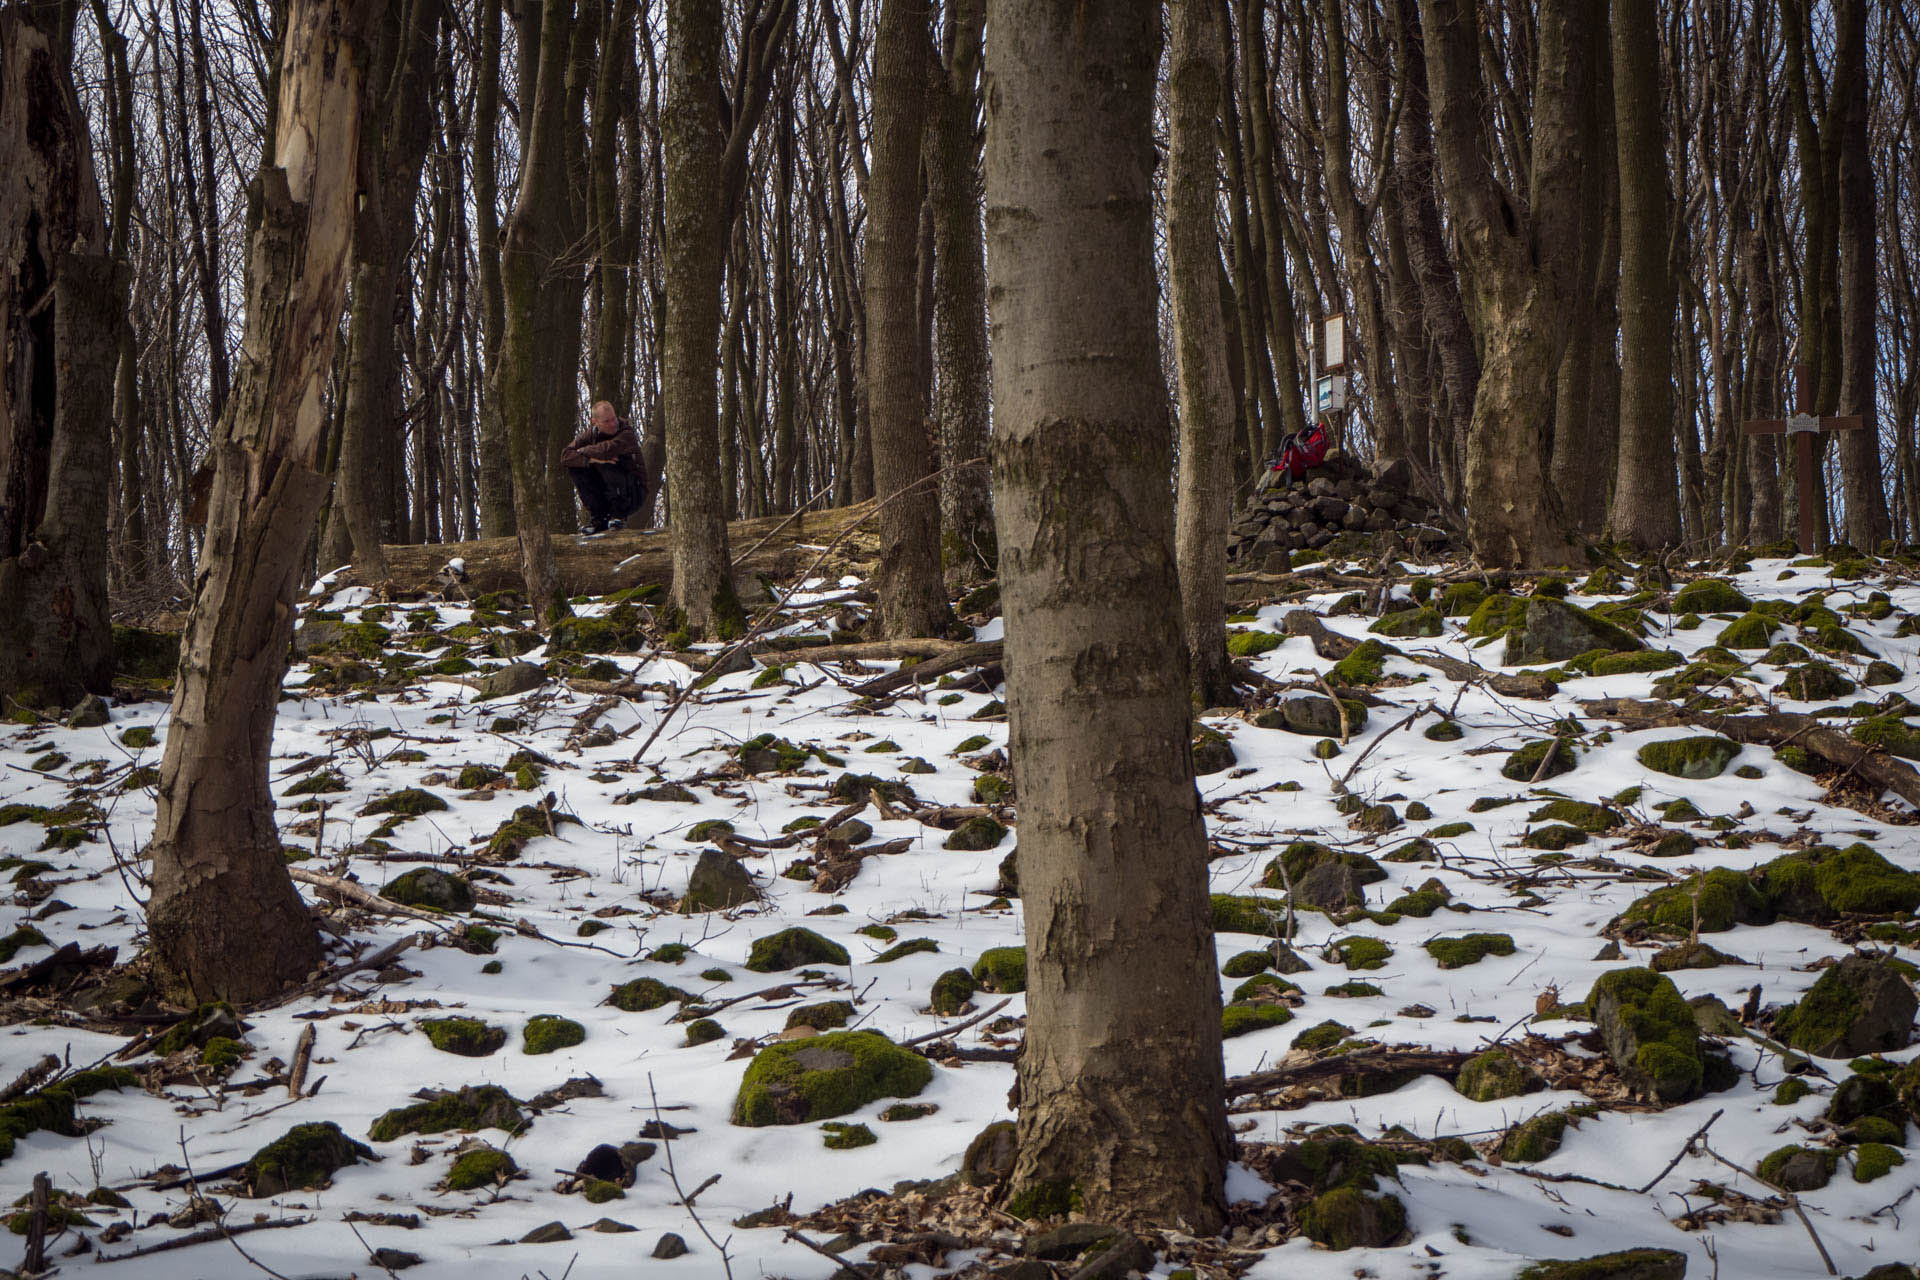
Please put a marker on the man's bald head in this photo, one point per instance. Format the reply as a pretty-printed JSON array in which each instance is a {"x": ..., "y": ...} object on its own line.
[{"x": 603, "y": 416}]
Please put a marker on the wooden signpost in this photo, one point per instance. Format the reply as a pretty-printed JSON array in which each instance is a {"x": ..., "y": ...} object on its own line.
[{"x": 1802, "y": 425}]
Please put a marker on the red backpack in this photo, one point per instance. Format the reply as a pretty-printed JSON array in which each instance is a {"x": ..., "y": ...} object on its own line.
[{"x": 1299, "y": 451}]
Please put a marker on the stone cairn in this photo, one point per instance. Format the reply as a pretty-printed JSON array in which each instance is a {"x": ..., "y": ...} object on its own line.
[{"x": 1338, "y": 496}]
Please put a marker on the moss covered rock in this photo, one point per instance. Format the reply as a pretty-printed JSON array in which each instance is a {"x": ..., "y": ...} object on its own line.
[
  {"x": 1815, "y": 682},
  {"x": 1328, "y": 879},
  {"x": 466, "y": 1037},
  {"x": 1631, "y": 1264},
  {"x": 1751, "y": 631},
  {"x": 1002, "y": 969},
  {"x": 718, "y": 882},
  {"x": 1625, "y": 664},
  {"x": 1495, "y": 1074},
  {"x": 304, "y": 1158},
  {"x": 1239, "y": 1019},
  {"x": 1251, "y": 644},
  {"x": 1593, "y": 818},
  {"x": 1650, "y": 1032},
  {"x": 797, "y": 1081},
  {"x": 480, "y": 1166},
  {"x": 951, "y": 991},
  {"x": 1710, "y": 595},
  {"x": 1861, "y": 1005},
  {"x": 794, "y": 948},
  {"x": 1422, "y": 621},
  {"x": 1471, "y": 948},
  {"x": 1891, "y": 733},
  {"x": 467, "y": 1110},
  {"x": 1702, "y": 756},
  {"x": 546, "y": 1032},
  {"x": 644, "y": 994},
  {"x": 1797, "y": 1168},
  {"x": 976, "y": 834},
  {"x": 1246, "y": 913},
  {"x": 1525, "y": 764},
  {"x": 1552, "y": 630},
  {"x": 431, "y": 888},
  {"x": 1313, "y": 717},
  {"x": 1366, "y": 665}
]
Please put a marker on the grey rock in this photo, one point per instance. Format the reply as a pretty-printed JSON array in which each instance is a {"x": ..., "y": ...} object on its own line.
[
  {"x": 718, "y": 883},
  {"x": 515, "y": 677},
  {"x": 1124, "y": 1257},
  {"x": 1314, "y": 717},
  {"x": 395, "y": 1259},
  {"x": 670, "y": 1245},
  {"x": 1879, "y": 1010},
  {"x": 548, "y": 1233},
  {"x": 853, "y": 831},
  {"x": 1804, "y": 1170},
  {"x": 314, "y": 634},
  {"x": 1395, "y": 475},
  {"x": 1554, "y": 631},
  {"x": 90, "y": 712},
  {"x": 608, "y": 1226}
]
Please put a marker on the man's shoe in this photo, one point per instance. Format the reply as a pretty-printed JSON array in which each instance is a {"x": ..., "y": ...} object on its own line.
[
  {"x": 614, "y": 524},
  {"x": 590, "y": 528}
]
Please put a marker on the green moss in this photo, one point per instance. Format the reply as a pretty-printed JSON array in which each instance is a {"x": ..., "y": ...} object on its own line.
[
  {"x": 1055, "y": 1198},
  {"x": 1524, "y": 765},
  {"x": 1536, "y": 1139},
  {"x": 1457, "y": 953},
  {"x": 321, "y": 782},
  {"x": 1251, "y": 644},
  {"x": 1593, "y": 818},
  {"x": 1419, "y": 903},
  {"x": 1324, "y": 1035},
  {"x": 911, "y": 947},
  {"x": 704, "y": 1030},
  {"x": 467, "y": 1037},
  {"x": 976, "y": 834},
  {"x": 951, "y": 991},
  {"x": 1364, "y": 666},
  {"x": 1752, "y": 630},
  {"x": 1702, "y": 756},
  {"x": 546, "y": 1032},
  {"x": 1857, "y": 880},
  {"x": 1630, "y": 1263},
  {"x": 708, "y": 829},
  {"x": 1493, "y": 1075},
  {"x": 1444, "y": 731},
  {"x": 1494, "y": 614},
  {"x": 408, "y": 802},
  {"x": 1645, "y": 660},
  {"x": 1002, "y": 969},
  {"x": 1890, "y": 733},
  {"x": 1873, "y": 1160},
  {"x": 644, "y": 994},
  {"x": 1554, "y": 838},
  {"x": 480, "y": 1167},
  {"x": 1409, "y": 622},
  {"x": 857, "y": 786},
  {"x": 1657, "y": 1024},
  {"x": 1245, "y": 964},
  {"x": 1710, "y": 595},
  {"x": 1725, "y": 898},
  {"x": 824, "y": 1015},
  {"x": 766, "y": 753},
  {"x": 221, "y": 1053},
  {"x": 796, "y": 1081},
  {"x": 1237, "y": 913},
  {"x": 1790, "y": 1091},
  {"x": 1263, "y": 987},
  {"x": 1240, "y": 1019},
  {"x": 1346, "y": 1218},
  {"x": 1773, "y": 1164},
  {"x": 1360, "y": 952},
  {"x": 837, "y": 1136},
  {"x": 471, "y": 1108},
  {"x": 793, "y": 948},
  {"x": 1353, "y": 989},
  {"x": 24, "y": 936}
]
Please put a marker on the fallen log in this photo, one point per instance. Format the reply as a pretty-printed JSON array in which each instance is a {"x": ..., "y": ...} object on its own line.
[
  {"x": 1770, "y": 729},
  {"x": 1434, "y": 1061},
  {"x": 873, "y": 651},
  {"x": 972, "y": 655},
  {"x": 611, "y": 562},
  {"x": 1333, "y": 646}
]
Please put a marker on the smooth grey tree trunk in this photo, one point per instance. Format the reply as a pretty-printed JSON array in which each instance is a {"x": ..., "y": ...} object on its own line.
[{"x": 1121, "y": 1081}]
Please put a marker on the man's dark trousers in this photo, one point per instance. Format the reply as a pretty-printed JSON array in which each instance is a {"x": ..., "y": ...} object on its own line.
[{"x": 607, "y": 492}]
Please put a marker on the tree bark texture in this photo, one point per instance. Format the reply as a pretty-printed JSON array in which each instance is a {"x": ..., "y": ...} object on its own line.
[
  {"x": 1864, "y": 495},
  {"x": 1521, "y": 262},
  {"x": 964, "y": 371},
  {"x": 696, "y": 223},
  {"x": 1646, "y": 510},
  {"x": 60, "y": 298},
  {"x": 1121, "y": 1079},
  {"x": 1196, "y": 80},
  {"x": 913, "y": 597},
  {"x": 224, "y": 918},
  {"x": 495, "y": 473}
]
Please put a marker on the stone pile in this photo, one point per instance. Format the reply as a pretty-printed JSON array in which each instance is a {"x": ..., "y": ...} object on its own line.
[{"x": 1339, "y": 496}]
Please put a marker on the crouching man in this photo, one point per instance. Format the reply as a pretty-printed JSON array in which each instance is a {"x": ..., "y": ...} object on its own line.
[{"x": 604, "y": 463}]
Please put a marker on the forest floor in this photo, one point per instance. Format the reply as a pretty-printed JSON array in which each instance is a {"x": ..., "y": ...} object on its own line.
[{"x": 578, "y": 829}]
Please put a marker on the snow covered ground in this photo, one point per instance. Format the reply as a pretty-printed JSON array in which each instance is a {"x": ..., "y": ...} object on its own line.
[{"x": 1465, "y": 1221}]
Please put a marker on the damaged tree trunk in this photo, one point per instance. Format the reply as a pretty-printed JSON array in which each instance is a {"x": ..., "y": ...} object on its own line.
[
  {"x": 225, "y": 920},
  {"x": 59, "y": 330}
]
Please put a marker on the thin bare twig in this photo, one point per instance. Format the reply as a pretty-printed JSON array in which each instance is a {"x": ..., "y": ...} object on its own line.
[{"x": 673, "y": 1176}]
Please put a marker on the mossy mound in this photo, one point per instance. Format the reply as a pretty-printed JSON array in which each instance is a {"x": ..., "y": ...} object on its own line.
[
  {"x": 793, "y": 949},
  {"x": 1244, "y": 964},
  {"x": 408, "y": 802},
  {"x": 1409, "y": 622},
  {"x": 1625, "y": 664},
  {"x": 1591, "y": 818},
  {"x": 1322, "y": 1035},
  {"x": 911, "y": 947},
  {"x": 471, "y": 1108},
  {"x": 318, "y": 783},
  {"x": 1815, "y": 682},
  {"x": 823, "y": 1015},
  {"x": 857, "y": 786},
  {"x": 1891, "y": 733},
  {"x": 644, "y": 994},
  {"x": 950, "y": 992},
  {"x": 1251, "y": 644},
  {"x": 465, "y": 1037},
  {"x": 1495, "y": 1074},
  {"x": 1525, "y": 764},
  {"x": 1341, "y": 1171},
  {"x": 1630, "y": 1264},
  {"x": 1710, "y": 595},
  {"x": 976, "y": 834},
  {"x": 304, "y": 1158},
  {"x": 1861, "y": 1005},
  {"x": 1002, "y": 969},
  {"x": 1321, "y": 877},
  {"x": 797, "y": 1081},
  {"x": 1366, "y": 665},
  {"x": 618, "y": 631},
  {"x": 1702, "y": 756},
  {"x": 767, "y": 753},
  {"x": 1360, "y": 952},
  {"x": 546, "y": 1033},
  {"x": 1554, "y": 837},
  {"x": 1422, "y": 902},
  {"x": 1244, "y": 913},
  {"x": 1537, "y": 1138},
  {"x": 1471, "y": 948},
  {"x": 1797, "y": 1168},
  {"x": 479, "y": 1167},
  {"x": 1650, "y": 1031},
  {"x": 431, "y": 888},
  {"x": 1751, "y": 631},
  {"x": 1347, "y": 1218},
  {"x": 1551, "y": 630},
  {"x": 1240, "y": 1019},
  {"x": 1874, "y": 1160},
  {"x": 1444, "y": 731},
  {"x": 1494, "y": 614}
]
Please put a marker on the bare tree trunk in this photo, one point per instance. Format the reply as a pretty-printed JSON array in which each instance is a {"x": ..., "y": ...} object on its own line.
[
  {"x": 912, "y": 593},
  {"x": 496, "y": 473},
  {"x": 224, "y": 918},
  {"x": 1121, "y": 1082},
  {"x": 696, "y": 226},
  {"x": 1865, "y": 496},
  {"x": 1196, "y": 80},
  {"x": 60, "y": 315},
  {"x": 1645, "y": 512},
  {"x": 960, "y": 287}
]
